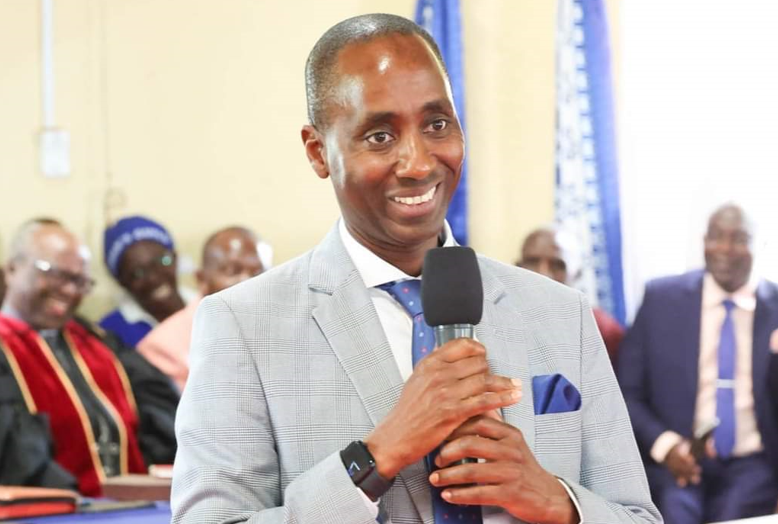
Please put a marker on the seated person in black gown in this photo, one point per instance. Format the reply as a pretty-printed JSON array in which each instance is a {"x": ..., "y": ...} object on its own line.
[{"x": 75, "y": 406}]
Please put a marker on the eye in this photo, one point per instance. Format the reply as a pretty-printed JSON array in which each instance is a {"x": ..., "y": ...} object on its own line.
[
  {"x": 380, "y": 138},
  {"x": 438, "y": 125}
]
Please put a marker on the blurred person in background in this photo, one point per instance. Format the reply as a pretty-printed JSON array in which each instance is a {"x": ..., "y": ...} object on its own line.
[
  {"x": 697, "y": 354},
  {"x": 542, "y": 252},
  {"x": 230, "y": 256},
  {"x": 141, "y": 256},
  {"x": 75, "y": 407},
  {"x": 2, "y": 285}
]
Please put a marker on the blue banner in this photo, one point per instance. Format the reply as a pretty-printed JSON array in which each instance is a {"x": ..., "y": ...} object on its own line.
[
  {"x": 441, "y": 19},
  {"x": 587, "y": 183}
]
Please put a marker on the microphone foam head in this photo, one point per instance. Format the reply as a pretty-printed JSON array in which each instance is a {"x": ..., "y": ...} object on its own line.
[{"x": 451, "y": 287}]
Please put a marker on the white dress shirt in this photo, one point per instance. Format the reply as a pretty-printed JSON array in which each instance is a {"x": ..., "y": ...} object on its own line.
[
  {"x": 748, "y": 440},
  {"x": 398, "y": 327}
]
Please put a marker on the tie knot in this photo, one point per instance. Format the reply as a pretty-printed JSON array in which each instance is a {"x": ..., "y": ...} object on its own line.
[
  {"x": 729, "y": 305},
  {"x": 407, "y": 293}
]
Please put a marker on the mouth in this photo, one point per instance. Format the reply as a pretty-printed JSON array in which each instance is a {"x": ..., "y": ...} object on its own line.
[
  {"x": 57, "y": 306},
  {"x": 415, "y": 207},
  {"x": 163, "y": 292},
  {"x": 721, "y": 265},
  {"x": 416, "y": 200}
]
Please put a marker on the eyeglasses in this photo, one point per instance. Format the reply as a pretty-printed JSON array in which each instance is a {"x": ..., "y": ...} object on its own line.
[
  {"x": 62, "y": 277},
  {"x": 140, "y": 272}
]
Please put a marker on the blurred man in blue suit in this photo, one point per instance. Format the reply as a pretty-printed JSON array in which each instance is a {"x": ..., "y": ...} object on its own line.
[{"x": 698, "y": 355}]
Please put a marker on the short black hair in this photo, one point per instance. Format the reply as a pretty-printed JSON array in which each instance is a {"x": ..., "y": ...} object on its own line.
[{"x": 320, "y": 66}]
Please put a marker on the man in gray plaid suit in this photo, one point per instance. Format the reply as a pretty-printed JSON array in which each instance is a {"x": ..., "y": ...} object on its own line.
[{"x": 302, "y": 405}]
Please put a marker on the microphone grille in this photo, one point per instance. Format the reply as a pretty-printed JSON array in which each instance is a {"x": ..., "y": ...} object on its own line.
[{"x": 451, "y": 287}]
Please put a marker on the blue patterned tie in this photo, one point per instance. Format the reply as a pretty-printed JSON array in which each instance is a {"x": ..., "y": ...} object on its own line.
[
  {"x": 724, "y": 435},
  {"x": 408, "y": 294}
]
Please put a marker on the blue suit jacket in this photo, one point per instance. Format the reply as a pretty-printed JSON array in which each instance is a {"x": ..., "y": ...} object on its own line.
[{"x": 659, "y": 360}]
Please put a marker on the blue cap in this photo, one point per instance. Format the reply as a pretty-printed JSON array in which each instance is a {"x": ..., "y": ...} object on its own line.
[{"x": 128, "y": 231}]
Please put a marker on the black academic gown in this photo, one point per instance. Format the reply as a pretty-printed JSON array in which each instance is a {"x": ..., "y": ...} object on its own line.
[{"x": 26, "y": 445}]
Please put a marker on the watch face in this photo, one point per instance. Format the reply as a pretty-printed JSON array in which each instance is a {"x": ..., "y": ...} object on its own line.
[
  {"x": 361, "y": 468},
  {"x": 358, "y": 461},
  {"x": 353, "y": 469}
]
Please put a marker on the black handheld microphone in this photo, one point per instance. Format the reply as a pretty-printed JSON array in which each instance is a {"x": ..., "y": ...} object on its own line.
[{"x": 452, "y": 295}]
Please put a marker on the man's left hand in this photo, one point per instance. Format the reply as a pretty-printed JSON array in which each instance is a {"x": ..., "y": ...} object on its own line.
[{"x": 510, "y": 477}]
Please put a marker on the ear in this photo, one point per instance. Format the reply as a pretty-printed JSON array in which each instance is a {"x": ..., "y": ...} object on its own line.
[
  {"x": 9, "y": 269},
  {"x": 200, "y": 278},
  {"x": 315, "y": 149}
]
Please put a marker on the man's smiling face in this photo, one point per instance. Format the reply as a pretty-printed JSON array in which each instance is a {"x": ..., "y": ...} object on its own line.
[{"x": 393, "y": 147}]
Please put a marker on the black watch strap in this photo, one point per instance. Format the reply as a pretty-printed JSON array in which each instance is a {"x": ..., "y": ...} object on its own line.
[{"x": 361, "y": 467}]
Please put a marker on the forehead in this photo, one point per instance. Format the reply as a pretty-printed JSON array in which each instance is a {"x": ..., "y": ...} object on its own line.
[
  {"x": 139, "y": 254},
  {"x": 388, "y": 73},
  {"x": 237, "y": 245},
  {"x": 543, "y": 244},
  {"x": 58, "y": 246},
  {"x": 143, "y": 249},
  {"x": 232, "y": 245},
  {"x": 730, "y": 219}
]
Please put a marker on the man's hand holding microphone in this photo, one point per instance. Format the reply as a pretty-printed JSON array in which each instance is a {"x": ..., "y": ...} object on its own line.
[{"x": 453, "y": 400}]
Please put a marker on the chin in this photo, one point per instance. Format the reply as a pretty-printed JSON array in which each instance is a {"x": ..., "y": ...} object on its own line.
[
  {"x": 52, "y": 323},
  {"x": 418, "y": 234}
]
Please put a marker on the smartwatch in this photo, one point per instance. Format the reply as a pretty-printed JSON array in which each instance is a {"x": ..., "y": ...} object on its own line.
[{"x": 361, "y": 467}]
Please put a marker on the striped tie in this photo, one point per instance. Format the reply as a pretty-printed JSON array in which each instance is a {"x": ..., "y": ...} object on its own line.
[
  {"x": 724, "y": 435},
  {"x": 408, "y": 294}
]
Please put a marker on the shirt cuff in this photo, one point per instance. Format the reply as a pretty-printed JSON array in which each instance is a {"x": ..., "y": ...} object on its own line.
[
  {"x": 369, "y": 504},
  {"x": 574, "y": 499},
  {"x": 663, "y": 444}
]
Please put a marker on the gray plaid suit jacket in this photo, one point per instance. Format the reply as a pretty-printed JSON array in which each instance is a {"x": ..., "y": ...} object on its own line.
[{"x": 291, "y": 366}]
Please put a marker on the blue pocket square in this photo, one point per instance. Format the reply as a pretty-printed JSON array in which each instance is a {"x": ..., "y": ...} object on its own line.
[{"x": 554, "y": 394}]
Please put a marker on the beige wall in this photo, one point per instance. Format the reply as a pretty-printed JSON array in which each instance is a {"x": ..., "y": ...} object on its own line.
[{"x": 190, "y": 111}]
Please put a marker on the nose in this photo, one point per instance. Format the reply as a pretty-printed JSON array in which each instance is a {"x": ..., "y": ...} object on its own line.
[
  {"x": 415, "y": 160},
  {"x": 69, "y": 288}
]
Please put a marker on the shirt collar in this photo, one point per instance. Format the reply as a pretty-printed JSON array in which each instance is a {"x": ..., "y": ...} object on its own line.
[
  {"x": 713, "y": 295},
  {"x": 9, "y": 311},
  {"x": 132, "y": 312},
  {"x": 373, "y": 269}
]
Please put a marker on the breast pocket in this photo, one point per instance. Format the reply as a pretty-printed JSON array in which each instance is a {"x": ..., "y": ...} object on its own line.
[{"x": 558, "y": 443}]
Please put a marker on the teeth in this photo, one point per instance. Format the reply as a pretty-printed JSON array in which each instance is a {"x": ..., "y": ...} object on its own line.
[
  {"x": 411, "y": 201},
  {"x": 162, "y": 292}
]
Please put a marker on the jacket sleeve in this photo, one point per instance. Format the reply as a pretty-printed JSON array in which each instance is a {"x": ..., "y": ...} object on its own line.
[
  {"x": 26, "y": 445},
  {"x": 227, "y": 468},
  {"x": 632, "y": 369},
  {"x": 612, "y": 486},
  {"x": 157, "y": 401}
]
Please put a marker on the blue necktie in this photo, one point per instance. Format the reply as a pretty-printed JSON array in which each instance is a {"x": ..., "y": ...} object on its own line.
[
  {"x": 724, "y": 435},
  {"x": 408, "y": 294}
]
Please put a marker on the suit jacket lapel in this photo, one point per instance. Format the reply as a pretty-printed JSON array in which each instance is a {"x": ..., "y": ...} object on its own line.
[
  {"x": 687, "y": 331},
  {"x": 501, "y": 331},
  {"x": 347, "y": 318}
]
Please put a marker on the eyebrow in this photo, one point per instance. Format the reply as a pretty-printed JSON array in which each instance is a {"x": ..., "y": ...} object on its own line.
[
  {"x": 374, "y": 119},
  {"x": 439, "y": 106},
  {"x": 379, "y": 117}
]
